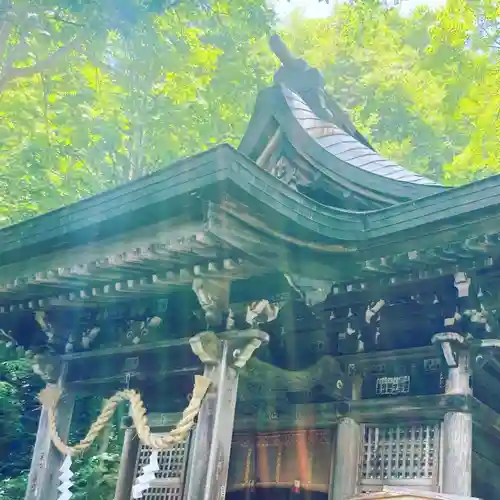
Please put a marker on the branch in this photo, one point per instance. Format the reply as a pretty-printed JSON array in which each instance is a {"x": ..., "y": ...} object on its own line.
[
  {"x": 5, "y": 29},
  {"x": 10, "y": 74},
  {"x": 57, "y": 17}
]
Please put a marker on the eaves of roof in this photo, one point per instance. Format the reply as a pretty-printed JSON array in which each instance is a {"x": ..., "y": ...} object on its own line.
[{"x": 222, "y": 172}]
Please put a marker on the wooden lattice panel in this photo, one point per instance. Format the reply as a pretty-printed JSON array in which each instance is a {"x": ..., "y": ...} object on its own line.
[
  {"x": 163, "y": 493},
  {"x": 399, "y": 455},
  {"x": 169, "y": 481}
]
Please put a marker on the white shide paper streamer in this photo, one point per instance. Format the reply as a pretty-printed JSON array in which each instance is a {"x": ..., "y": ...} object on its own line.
[
  {"x": 65, "y": 479},
  {"x": 148, "y": 475}
]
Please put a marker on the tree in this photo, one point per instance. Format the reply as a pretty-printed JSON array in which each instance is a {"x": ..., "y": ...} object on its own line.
[
  {"x": 18, "y": 421},
  {"x": 422, "y": 88},
  {"x": 37, "y": 35},
  {"x": 116, "y": 104},
  {"x": 175, "y": 84}
]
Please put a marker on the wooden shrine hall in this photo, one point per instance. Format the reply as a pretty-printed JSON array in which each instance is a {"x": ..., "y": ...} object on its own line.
[{"x": 301, "y": 318}]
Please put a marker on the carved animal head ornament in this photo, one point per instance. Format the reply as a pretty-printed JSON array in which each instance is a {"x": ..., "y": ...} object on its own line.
[
  {"x": 213, "y": 296},
  {"x": 20, "y": 329},
  {"x": 373, "y": 310},
  {"x": 89, "y": 336},
  {"x": 47, "y": 367},
  {"x": 285, "y": 171},
  {"x": 137, "y": 330},
  {"x": 40, "y": 318}
]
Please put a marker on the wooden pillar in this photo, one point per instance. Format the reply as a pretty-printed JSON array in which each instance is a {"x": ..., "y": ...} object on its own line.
[
  {"x": 345, "y": 470},
  {"x": 209, "y": 455},
  {"x": 128, "y": 461},
  {"x": 43, "y": 479},
  {"x": 347, "y": 449},
  {"x": 457, "y": 435},
  {"x": 208, "y": 463},
  {"x": 457, "y": 449}
]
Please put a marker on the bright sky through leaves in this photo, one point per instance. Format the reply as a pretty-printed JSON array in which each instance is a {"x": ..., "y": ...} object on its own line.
[{"x": 315, "y": 9}]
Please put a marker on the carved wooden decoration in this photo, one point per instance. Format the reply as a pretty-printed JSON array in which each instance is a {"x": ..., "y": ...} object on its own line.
[
  {"x": 326, "y": 375},
  {"x": 213, "y": 295}
]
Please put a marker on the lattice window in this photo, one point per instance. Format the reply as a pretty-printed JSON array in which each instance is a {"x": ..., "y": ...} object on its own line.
[
  {"x": 162, "y": 493},
  {"x": 400, "y": 455},
  {"x": 170, "y": 479}
]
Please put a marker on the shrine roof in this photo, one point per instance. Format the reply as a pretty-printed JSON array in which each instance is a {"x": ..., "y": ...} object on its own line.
[
  {"x": 223, "y": 174},
  {"x": 345, "y": 147},
  {"x": 299, "y": 110}
]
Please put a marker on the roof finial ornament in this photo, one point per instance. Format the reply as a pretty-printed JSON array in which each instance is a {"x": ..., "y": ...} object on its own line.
[
  {"x": 294, "y": 72},
  {"x": 281, "y": 51},
  {"x": 308, "y": 82}
]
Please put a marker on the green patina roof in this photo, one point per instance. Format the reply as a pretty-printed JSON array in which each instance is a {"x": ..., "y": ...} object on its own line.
[{"x": 136, "y": 204}]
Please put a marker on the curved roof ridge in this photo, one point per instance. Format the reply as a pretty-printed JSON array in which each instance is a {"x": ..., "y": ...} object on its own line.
[{"x": 346, "y": 148}]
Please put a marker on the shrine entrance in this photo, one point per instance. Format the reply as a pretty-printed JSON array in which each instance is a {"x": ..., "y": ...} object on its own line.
[
  {"x": 281, "y": 465},
  {"x": 276, "y": 494}
]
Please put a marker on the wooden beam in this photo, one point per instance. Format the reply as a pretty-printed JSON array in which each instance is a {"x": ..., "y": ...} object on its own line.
[
  {"x": 88, "y": 384},
  {"x": 485, "y": 444},
  {"x": 147, "y": 261},
  {"x": 486, "y": 418},
  {"x": 163, "y": 233},
  {"x": 313, "y": 416},
  {"x": 407, "y": 408},
  {"x": 365, "y": 360},
  {"x": 129, "y": 349},
  {"x": 269, "y": 417},
  {"x": 487, "y": 472}
]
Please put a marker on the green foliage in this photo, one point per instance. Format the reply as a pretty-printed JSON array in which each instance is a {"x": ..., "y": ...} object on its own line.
[
  {"x": 14, "y": 488},
  {"x": 95, "y": 476},
  {"x": 422, "y": 88},
  {"x": 133, "y": 95},
  {"x": 95, "y": 479},
  {"x": 95, "y": 473},
  {"x": 117, "y": 110},
  {"x": 18, "y": 412}
]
